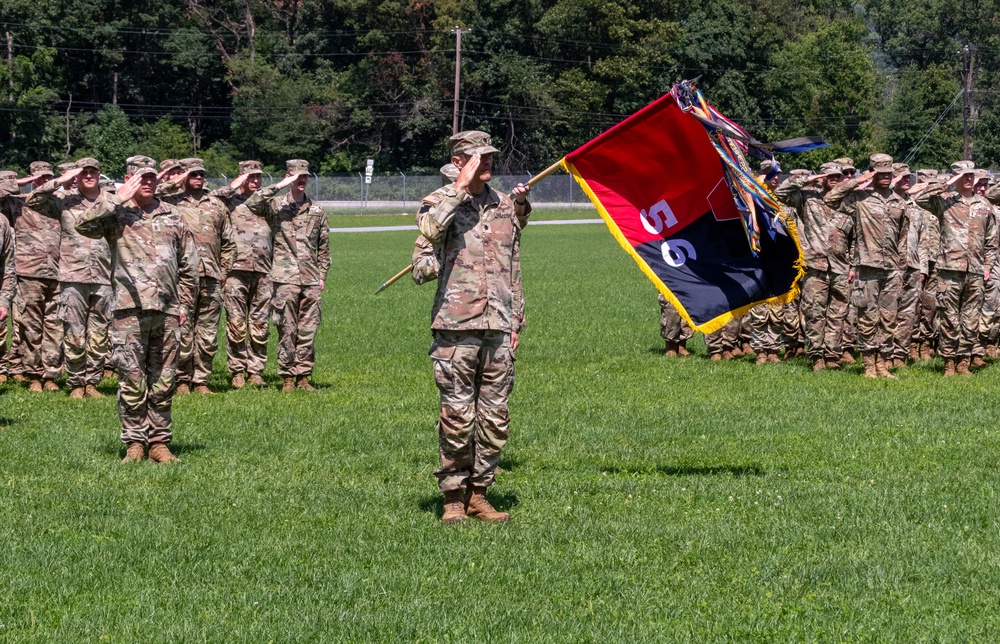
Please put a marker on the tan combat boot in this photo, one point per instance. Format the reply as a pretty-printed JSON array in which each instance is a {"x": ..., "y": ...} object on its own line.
[
  {"x": 287, "y": 385},
  {"x": 882, "y": 368},
  {"x": 78, "y": 393},
  {"x": 203, "y": 390},
  {"x": 773, "y": 358},
  {"x": 91, "y": 392},
  {"x": 715, "y": 357},
  {"x": 183, "y": 389},
  {"x": 870, "y": 365},
  {"x": 670, "y": 349},
  {"x": 991, "y": 351},
  {"x": 737, "y": 352},
  {"x": 454, "y": 507},
  {"x": 832, "y": 363},
  {"x": 978, "y": 362},
  {"x": 239, "y": 380},
  {"x": 108, "y": 373},
  {"x": 949, "y": 367},
  {"x": 160, "y": 453},
  {"x": 682, "y": 349},
  {"x": 479, "y": 508},
  {"x": 3, "y": 378},
  {"x": 847, "y": 358},
  {"x": 819, "y": 364},
  {"x": 761, "y": 358},
  {"x": 914, "y": 351},
  {"x": 746, "y": 348},
  {"x": 727, "y": 355},
  {"x": 19, "y": 378},
  {"x": 962, "y": 367},
  {"x": 50, "y": 385},
  {"x": 926, "y": 352},
  {"x": 134, "y": 453},
  {"x": 35, "y": 386},
  {"x": 256, "y": 380},
  {"x": 303, "y": 384}
]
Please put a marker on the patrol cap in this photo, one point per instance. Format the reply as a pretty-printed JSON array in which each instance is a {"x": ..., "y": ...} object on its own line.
[
  {"x": 926, "y": 175},
  {"x": 296, "y": 167},
  {"x": 800, "y": 172},
  {"x": 880, "y": 162},
  {"x": 169, "y": 164},
  {"x": 87, "y": 162},
  {"x": 139, "y": 165},
  {"x": 193, "y": 165},
  {"x": 471, "y": 142},
  {"x": 982, "y": 175},
  {"x": 899, "y": 169},
  {"x": 769, "y": 167},
  {"x": 831, "y": 167},
  {"x": 251, "y": 167},
  {"x": 63, "y": 168},
  {"x": 449, "y": 171},
  {"x": 40, "y": 168},
  {"x": 846, "y": 164},
  {"x": 8, "y": 181},
  {"x": 962, "y": 167}
]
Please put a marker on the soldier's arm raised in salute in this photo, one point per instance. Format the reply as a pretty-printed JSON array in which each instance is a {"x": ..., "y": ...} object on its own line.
[
  {"x": 42, "y": 199},
  {"x": 260, "y": 203},
  {"x": 433, "y": 220}
]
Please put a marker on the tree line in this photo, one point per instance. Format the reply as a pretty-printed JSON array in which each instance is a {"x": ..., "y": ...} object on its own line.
[{"x": 340, "y": 81}]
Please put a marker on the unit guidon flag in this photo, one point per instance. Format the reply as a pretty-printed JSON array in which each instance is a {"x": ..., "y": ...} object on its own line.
[{"x": 660, "y": 183}]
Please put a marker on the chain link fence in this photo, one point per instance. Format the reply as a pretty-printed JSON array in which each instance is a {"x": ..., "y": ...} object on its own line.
[{"x": 402, "y": 189}]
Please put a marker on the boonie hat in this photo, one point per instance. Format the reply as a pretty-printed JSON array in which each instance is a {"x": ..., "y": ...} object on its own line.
[
  {"x": 140, "y": 164},
  {"x": 472, "y": 142}
]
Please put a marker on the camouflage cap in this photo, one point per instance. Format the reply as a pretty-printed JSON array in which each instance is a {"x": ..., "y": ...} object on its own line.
[
  {"x": 193, "y": 165},
  {"x": 982, "y": 175},
  {"x": 88, "y": 162},
  {"x": 251, "y": 167},
  {"x": 926, "y": 175},
  {"x": 63, "y": 168},
  {"x": 40, "y": 168},
  {"x": 899, "y": 169},
  {"x": 296, "y": 167},
  {"x": 800, "y": 172},
  {"x": 962, "y": 167},
  {"x": 846, "y": 164},
  {"x": 169, "y": 164},
  {"x": 880, "y": 163},
  {"x": 769, "y": 167},
  {"x": 449, "y": 171},
  {"x": 471, "y": 142},
  {"x": 8, "y": 181},
  {"x": 139, "y": 165},
  {"x": 831, "y": 167}
]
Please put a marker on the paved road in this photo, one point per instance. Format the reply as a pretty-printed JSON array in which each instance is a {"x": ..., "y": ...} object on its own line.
[{"x": 382, "y": 229}]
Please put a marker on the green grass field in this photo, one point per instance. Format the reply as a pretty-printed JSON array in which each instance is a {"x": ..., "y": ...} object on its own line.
[{"x": 653, "y": 499}]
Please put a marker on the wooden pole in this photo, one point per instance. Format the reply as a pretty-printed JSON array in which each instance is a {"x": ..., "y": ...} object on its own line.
[{"x": 395, "y": 278}]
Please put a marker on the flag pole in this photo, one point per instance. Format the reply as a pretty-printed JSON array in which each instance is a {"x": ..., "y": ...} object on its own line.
[{"x": 532, "y": 181}]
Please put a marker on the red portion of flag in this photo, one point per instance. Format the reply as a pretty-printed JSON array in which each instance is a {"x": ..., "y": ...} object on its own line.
[{"x": 655, "y": 173}]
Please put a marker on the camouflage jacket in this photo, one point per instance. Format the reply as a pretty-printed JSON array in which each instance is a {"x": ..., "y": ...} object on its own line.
[
  {"x": 232, "y": 197},
  {"x": 8, "y": 276},
  {"x": 879, "y": 224},
  {"x": 968, "y": 230},
  {"x": 425, "y": 262},
  {"x": 254, "y": 239},
  {"x": 38, "y": 239},
  {"x": 301, "y": 237},
  {"x": 923, "y": 241},
  {"x": 910, "y": 250},
  {"x": 206, "y": 218},
  {"x": 81, "y": 259},
  {"x": 813, "y": 216},
  {"x": 155, "y": 256},
  {"x": 840, "y": 246},
  {"x": 478, "y": 241}
]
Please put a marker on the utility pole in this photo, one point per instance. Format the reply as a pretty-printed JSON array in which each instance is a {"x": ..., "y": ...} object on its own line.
[
  {"x": 458, "y": 31},
  {"x": 968, "y": 64}
]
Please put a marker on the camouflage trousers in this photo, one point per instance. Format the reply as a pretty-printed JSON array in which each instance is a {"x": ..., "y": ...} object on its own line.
[
  {"x": 39, "y": 329},
  {"x": 927, "y": 321},
  {"x": 297, "y": 313},
  {"x": 791, "y": 325},
  {"x": 725, "y": 339},
  {"x": 673, "y": 328},
  {"x": 200, "y": 334},
  {"x": 906, "y": 314},
  {"x": 836, "y": 316},
  {"x": 815, "y": 306},
  {"x": 4, "y": 335},
  {"x": 85, "y": 310},
  {"x": 145, "y": 349},
  {"x": 474, "y": 371},
  {"x": 989, "y": 321},
  {"x": 960, "y": 303},
  {"x": 877, "y": 299},
  {"x": 767, "y": 326},
  {"x": 247, "y": 298}
]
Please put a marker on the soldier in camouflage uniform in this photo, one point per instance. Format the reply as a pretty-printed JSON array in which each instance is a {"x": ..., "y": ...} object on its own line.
[
  {"x": 804, "y": 195},
  {"x": 724, "y": 344},
  {"x": 38, "y": 327},
  {"x": 968, "y": 251},
  {"x": 298, "y": 271},
  {"x": 767, "y": 324},
  {"x": 849, "y": 327},
  {"x": 929, "y": 247},
  {"x": 8, "y": 285},
  {"x": 477, "y": 314},
  {"x": 912, "y": 278},
  {"x": 989, "y": 323},
  {"x": 84, "y": 276},
  {"x": 880, "y": 225},
  {"x": 248, "y": 291},
  {"x": 207, "y": 219},
  {"x": 425, "y": 263},
  {"x": 155, "y": 277},
  {"x": 673, "y": 329}
]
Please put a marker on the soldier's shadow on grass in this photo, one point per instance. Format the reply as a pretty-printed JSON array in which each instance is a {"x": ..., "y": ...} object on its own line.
[
  {"x": 5, "y": 422},
  {"x": 176, "y": 448},
  {"x": 689, "y": 470},
  {"x": 501, "y": 501}
]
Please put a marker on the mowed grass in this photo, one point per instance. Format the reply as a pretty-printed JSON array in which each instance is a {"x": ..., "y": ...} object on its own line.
[
  {"x": 340, "y": 218},
  {"x": 653, "y": 499}
]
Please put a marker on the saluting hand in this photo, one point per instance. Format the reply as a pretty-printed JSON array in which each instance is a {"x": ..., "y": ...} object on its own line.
[
  {"x": 238, "y": 182},
  {"x": 129, "y": 188},
  {"x": 468, "y": 173},
  {"x": 68, "y": 176},
  {"x": 284, "y": 183}
]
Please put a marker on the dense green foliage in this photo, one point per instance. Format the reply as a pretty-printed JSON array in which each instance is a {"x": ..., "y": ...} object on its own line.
[
  {"x": 337, "y": 81},
  {"x": 654, "y": 500}
]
